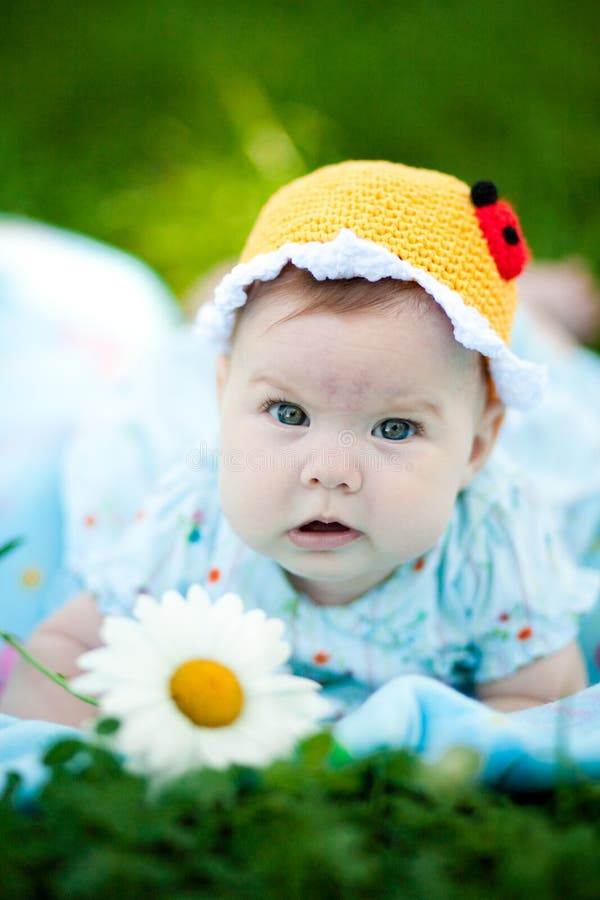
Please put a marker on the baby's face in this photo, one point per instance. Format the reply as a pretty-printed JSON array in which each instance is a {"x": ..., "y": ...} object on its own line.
[{"x": 372, "y": 420}]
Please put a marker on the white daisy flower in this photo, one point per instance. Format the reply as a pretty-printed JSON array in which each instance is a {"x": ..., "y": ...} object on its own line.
[{"x": 193, "y": 684}]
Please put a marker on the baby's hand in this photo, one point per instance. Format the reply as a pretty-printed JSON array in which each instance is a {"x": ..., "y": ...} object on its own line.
[
  {"x": 563, "y": 293},
  {"x": 543, "y": 681},
  {"x": 57, "y": 643}
]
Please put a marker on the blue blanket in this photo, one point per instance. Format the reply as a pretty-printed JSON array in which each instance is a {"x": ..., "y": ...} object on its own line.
[{"x": 528, "y": 750}]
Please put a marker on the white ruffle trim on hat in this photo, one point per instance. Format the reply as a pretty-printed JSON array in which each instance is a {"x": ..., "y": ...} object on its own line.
[{"x": 519, "y": 383}]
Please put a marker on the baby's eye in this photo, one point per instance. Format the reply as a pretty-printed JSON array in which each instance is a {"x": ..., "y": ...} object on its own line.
[
  {"x": 396, "y": 429},
  {"x": 286, "y": 413}
]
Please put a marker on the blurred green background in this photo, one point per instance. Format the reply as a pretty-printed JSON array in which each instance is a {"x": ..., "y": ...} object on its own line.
[{"x": 162, "y": 125}]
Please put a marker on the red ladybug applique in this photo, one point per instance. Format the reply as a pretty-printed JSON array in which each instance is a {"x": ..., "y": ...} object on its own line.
[{"x": 501, "y": 229}]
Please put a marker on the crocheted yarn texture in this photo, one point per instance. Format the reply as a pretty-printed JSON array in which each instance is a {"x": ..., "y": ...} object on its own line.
[{"x": 379, "y": 219}]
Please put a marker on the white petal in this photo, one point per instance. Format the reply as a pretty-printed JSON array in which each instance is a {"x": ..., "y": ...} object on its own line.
[
  {"x": 128, "y": 642},
  {"x": 280, "y": 683},
  {"x": 146, "y": 729},
  {"x": 227, "y": 613},
  {"x": 90, "y": 683},
  {"x": 284, "y": 713},
  {"x": 128, "y": 700},
  {"x": 229, "y": 604},
  {"x": 252, "y": 652},
  {"x": 256, "y": 662},
  {"x": 120, "y": 630},
  {"x": 210, "y": 749},
  {"x": 233, "y": 746},
  {"x": 166, "y": 753},
  {"x": 172, "y": 600},
  {"x": 167, "y": 631},
  {"x": 145, "y": 605},
  {"x": 198, "y": 598},
  {"x": 115, "y": 668}
]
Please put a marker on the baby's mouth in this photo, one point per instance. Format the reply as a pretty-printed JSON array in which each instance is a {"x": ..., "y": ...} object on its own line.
[
  {"x": 317, "y": 525},
  {"x": 318, "y": 535}
]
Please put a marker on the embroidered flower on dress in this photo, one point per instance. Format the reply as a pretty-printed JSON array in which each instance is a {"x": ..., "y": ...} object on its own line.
[
  {"x": 525, "y": 633},
  {"x": 195, "y": 534},
  {"x": 31, "y": 577}
]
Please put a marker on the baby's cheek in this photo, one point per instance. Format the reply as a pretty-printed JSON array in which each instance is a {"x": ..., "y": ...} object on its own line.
[
  {"x": 416, "y": 506},
  {"x": 245, "y": 498},
  {"x": 234, "y": 501}
]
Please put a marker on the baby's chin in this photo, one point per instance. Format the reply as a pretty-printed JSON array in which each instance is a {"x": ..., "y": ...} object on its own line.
[
  {"x": 352, "y": 577},
  {"x": 335, "y": 590}
]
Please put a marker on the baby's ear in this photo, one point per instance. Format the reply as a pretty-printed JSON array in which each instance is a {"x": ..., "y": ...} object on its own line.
[
  {"x": 221, "y": 373},
  {"x": 484, "y": 438}
]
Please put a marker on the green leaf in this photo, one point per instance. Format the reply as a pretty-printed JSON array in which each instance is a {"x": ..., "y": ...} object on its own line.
[
  {"x": 107, "y": 726},
  {"x": 11, "y": 785},
  {"x": 209, "y": 788},
  {"x": 63, "y": 752},
  {"x": 315, "y": 750},
  {"x": 339, "y": 756}
]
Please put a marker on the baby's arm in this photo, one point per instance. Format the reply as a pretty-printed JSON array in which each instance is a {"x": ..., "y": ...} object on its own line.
[
  {"x": 547, "y": 679},
  {"x": 57, "y": 643}
]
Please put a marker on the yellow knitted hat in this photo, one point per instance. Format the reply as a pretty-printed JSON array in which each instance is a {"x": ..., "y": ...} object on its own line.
[{"x": 380, "y": 220}]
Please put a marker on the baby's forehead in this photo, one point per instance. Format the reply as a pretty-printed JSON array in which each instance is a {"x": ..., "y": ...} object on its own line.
[
  {"x": 358, "y": 351},
  {"x": 356, "y": 306}
]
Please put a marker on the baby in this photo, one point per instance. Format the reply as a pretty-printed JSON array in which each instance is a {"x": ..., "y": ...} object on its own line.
[{"x": 362, "y": 381}]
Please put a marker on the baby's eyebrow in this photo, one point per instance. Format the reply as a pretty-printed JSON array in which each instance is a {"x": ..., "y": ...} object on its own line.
[
  {"x": 413, "y": 404},
  {"x": 269, "y": 379},
  {"x": 417, "y": 405}
]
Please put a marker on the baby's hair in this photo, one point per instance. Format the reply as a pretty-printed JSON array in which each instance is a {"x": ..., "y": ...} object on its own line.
[{"x": 344, "y": 295}]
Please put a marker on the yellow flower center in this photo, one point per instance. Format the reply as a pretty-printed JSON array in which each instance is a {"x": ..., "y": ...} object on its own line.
[{"x": 207, "y": 693}]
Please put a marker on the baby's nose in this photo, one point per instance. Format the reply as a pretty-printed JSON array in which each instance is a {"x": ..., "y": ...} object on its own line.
[{"x": 332, "y": 468}]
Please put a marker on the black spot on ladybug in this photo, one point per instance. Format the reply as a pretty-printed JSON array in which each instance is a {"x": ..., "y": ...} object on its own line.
[
  {"x": 484, "y": 193},
  {"x": 510, "y": 235}
]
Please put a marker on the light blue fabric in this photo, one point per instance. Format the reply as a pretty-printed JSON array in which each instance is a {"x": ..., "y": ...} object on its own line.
[
  {"x": 496, "y": 592},
  {"x": 74, "y": 315},
  {"x": 558, "y": 445},
  {"x": 558, "y": 442},
  {"x": 527, "y": 750},
  {"x": 22, "y": 747}
]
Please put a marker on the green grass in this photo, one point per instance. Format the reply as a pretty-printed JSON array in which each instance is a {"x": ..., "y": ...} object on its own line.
[
  {"x": 383, "y": 827},
  {"x": 163, "y": 126}
]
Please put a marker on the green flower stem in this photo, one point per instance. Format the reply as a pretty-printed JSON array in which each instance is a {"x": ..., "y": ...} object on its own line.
[
  {"x": 56, "y": 677},
  {"x": 11, "y": 545}
]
